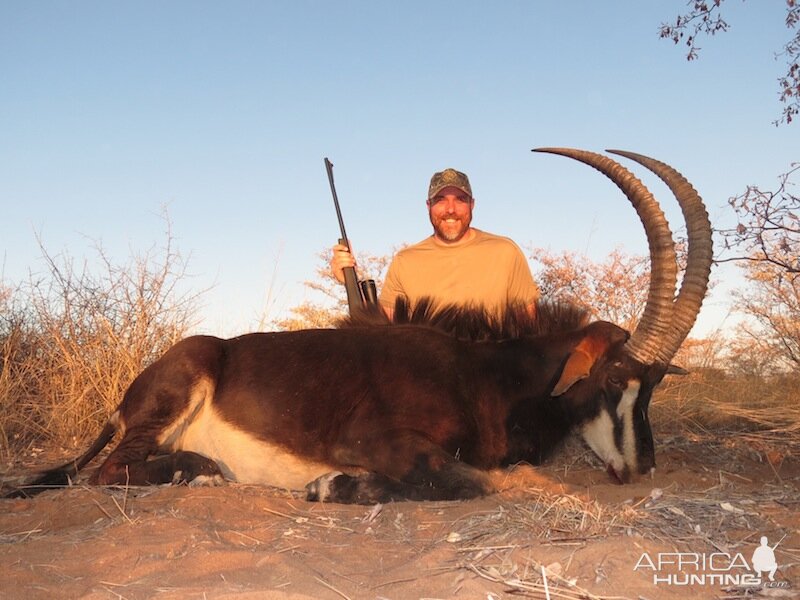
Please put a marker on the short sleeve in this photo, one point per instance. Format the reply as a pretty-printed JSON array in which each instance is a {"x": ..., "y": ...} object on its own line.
[
  {"x": 392, "y": 288},
  {"x": 521, "y": 286}
]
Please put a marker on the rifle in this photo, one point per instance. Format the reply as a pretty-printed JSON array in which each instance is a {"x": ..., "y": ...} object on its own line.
[
  {"x": 779, "y": 541},
  {"x": 361, "y": 293}
]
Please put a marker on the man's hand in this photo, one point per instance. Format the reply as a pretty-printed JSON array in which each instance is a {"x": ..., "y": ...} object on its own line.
[{"x": 342, "y": 258}]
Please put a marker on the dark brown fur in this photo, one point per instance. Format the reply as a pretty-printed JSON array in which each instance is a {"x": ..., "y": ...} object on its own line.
[
  {"x": 419, "y": 408},
  {"x": 474, "y": 323}
]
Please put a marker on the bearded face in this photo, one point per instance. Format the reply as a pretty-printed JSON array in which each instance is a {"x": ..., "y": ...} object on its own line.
[{"x": 450, "y": 212}]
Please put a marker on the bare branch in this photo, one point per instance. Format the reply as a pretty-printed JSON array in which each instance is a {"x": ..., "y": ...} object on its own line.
[
  {"x": 769, "y": 226},
  {"x": 75, "y": 337},
  {"x": 704, "y": 18},
  {"x": 614, "y": 289}
]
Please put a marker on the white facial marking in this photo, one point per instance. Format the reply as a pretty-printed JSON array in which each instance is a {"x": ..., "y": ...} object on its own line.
[
  {"x": 599, "y": 434},
  {"x": 625, "y": 414}
]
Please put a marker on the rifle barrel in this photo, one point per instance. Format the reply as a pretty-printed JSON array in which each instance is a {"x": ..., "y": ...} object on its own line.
[
  {"x": 354, "y": 298},
  {"x": 329, "y": 168}
]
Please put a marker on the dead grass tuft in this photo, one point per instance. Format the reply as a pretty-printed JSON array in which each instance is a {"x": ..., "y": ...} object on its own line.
[
  {"x": 72, "y": 340},
  {"x": 763, "y": 411}
]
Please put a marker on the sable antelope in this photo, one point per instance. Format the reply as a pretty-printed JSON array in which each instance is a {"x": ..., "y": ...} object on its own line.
[{"x": 417, "y": 409}]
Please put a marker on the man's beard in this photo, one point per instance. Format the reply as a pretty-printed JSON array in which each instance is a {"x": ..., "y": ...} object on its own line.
[{"x": 451, "y": 232}]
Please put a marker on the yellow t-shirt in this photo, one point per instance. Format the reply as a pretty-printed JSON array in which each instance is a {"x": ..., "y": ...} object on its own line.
[{"x": 487, "y": 269}]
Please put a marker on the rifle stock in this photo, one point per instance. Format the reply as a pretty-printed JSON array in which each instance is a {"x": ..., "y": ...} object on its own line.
[{"x": 354, "y": 297}]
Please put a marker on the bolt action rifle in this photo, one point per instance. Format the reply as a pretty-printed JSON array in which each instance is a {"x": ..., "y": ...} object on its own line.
[{"x": 359, "y": 294}]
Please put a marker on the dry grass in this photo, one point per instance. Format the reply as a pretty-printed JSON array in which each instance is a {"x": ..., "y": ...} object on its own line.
[
  {"x": 505, "y": 541},
  {"x": 491, "y": 543},
  {"x": 717, "y": 519},
  {"x": 72, "y": 343},
  {"x": 73, "y": 340},
  {"x": 761, "y": 411}
]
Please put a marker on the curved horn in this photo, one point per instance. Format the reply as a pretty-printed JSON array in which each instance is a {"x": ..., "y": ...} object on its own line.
[
  {"x": 645, "y": 342},
  {"x": 700, "y": 253}
]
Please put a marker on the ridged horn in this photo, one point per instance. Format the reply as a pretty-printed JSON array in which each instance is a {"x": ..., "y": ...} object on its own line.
[
  {"x": 645, "y": 342},
  {"x": 700, "y": 253}
]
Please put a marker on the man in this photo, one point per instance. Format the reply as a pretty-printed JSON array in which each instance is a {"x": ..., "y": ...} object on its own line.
[
  {"x": 764, "y": 558},
  {"x": 458, "y": 264}
]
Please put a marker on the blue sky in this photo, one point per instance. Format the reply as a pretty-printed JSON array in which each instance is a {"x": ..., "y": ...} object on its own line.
[{"x": 223, "y": 112}]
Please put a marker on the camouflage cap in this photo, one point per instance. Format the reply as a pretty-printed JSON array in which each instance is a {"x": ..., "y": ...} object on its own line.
[{"x": 449, "y": 178}]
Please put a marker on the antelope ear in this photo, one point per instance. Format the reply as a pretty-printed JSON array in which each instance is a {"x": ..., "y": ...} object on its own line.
[
  {"x": 577, "y": 367},
  {"x": 583, "y": 356}
]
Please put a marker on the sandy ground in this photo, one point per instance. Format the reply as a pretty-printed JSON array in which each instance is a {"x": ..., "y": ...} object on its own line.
[{"x": 563, "y": 531}]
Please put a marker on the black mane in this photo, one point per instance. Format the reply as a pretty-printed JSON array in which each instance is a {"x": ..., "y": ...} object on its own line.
[{"x": 476, "y": 323}]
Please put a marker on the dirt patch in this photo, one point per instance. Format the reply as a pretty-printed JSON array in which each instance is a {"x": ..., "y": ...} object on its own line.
[{"x": 563, "y": 531}]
